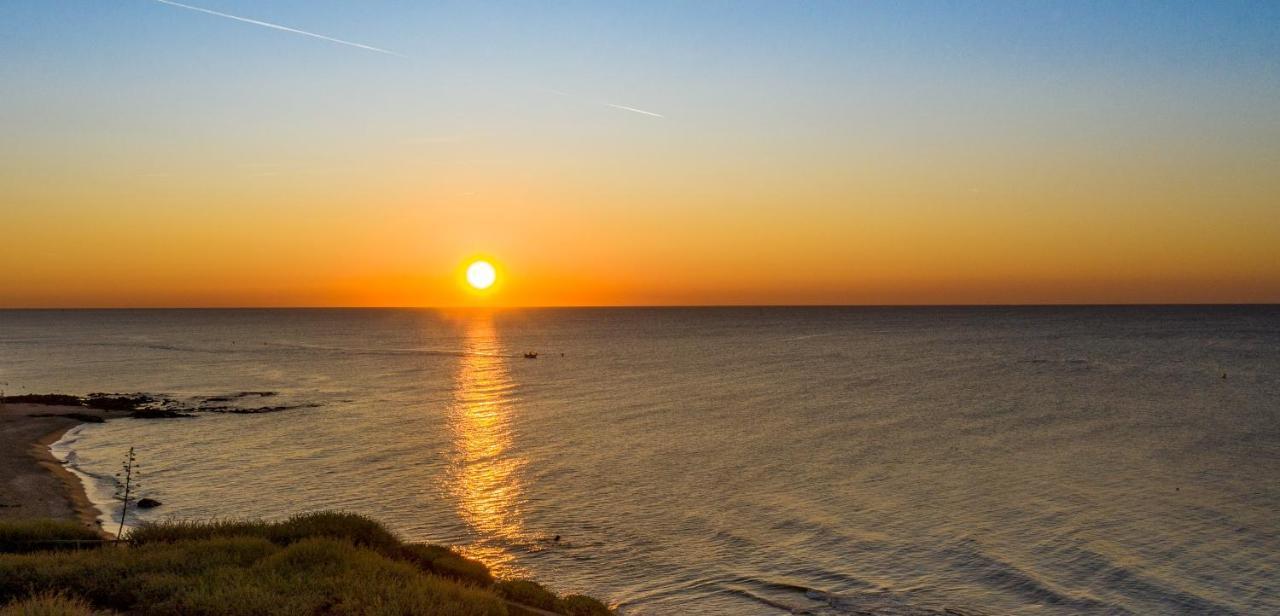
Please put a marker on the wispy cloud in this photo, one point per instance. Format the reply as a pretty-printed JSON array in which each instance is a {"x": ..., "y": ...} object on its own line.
[{"x": 265, "y": 24}]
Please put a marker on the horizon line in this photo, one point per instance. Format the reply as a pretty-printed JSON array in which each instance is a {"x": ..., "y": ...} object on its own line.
[{"x": 672, "y": 306}]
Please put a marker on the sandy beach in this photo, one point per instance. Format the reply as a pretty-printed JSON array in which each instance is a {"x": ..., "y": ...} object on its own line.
[{"x": 35, "y": 484}]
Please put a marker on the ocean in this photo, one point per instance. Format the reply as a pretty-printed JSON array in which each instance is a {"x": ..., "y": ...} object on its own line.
[{"x": 826, "y": 461}]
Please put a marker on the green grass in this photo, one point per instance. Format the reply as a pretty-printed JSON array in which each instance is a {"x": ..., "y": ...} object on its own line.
[
  {"x": 49, "y": 604},
  {"x": 325, "y": 563},
  {"x": 358, "y": 530},
  {"x": 44, "y": 535}
]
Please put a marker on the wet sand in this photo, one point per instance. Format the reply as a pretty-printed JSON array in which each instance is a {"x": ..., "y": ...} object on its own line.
[{"x": 33, "y": 484}]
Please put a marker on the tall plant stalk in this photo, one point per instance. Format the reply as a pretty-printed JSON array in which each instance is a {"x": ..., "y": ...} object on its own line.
[{"x": 124, "y": 495}]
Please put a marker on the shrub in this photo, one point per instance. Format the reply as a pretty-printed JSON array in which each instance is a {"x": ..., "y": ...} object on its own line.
[
  {"x": 445, "y": 562},
  {"x": 535, "y": 595},
  {"x": 582, "y": 605},
  {"x": 528, "y": 593},
  {"x": 357, "y": 529},
  {"x": 39, "y": 535}
]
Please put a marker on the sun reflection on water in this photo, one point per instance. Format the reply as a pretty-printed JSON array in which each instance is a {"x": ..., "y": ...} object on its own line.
[{"x": 485, "y": 477}]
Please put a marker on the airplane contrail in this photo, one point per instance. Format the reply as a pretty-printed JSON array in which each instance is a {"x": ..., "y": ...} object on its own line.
[
  {"x": 633, "y": 109},
  {"x": 622, "y": 107},
  {"x": 330, "y": 39},
  {"x": 281, "y": 28}
]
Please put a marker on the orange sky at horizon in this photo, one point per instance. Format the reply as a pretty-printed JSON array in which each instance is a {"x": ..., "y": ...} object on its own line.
[
  {"x": 812, "y": 236},
  {"x": 804, "y": 236}
]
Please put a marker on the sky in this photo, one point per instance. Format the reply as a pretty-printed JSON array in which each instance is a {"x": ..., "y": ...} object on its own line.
[{"x": 638, "y": 153}]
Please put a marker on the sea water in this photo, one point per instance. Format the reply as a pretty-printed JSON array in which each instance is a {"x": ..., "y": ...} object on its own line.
[{"x": 1074, "y": 460}]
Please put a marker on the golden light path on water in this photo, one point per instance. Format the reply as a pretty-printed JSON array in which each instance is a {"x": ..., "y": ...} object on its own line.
[{"x": 485, "y": 476}]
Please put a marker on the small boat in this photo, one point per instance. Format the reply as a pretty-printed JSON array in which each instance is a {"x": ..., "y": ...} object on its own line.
[{"x": 531, "y": 355}]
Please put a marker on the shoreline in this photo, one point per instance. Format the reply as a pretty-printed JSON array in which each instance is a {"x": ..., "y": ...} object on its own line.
[
  {"x": 36, "y": 484},
  {"x": 74, "y": 487}
]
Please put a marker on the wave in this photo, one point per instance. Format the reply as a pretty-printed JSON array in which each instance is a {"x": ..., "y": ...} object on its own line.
[
  {"x": 98, "y": 487},
  {"x": 799, "y": 599},
  {"x": 890, "y": 603},
  {"x": 991, "y": 571},
  {"x": 1087, "y": 564}
]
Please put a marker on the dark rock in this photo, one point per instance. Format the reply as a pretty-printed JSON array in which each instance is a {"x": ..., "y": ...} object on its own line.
[
  {"x": 158, "y": 414},
  {"x": 148, "y": 503},
  {"x": 242, "y": 394},
  {"x": 118, "y": 402},
  {"x": 239, "y": 410},
  {"x": 45, "y": 399}
]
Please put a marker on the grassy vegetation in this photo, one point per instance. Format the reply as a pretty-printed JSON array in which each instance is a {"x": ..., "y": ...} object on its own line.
[
  {"x": 50, "y": 604},
  {"x": 44, "y": 535},
  {"x": 355, "y": 529},
  {"x": 327, "y": 563}
]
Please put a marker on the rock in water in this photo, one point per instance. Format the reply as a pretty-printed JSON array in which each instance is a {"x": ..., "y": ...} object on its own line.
[{"x": 148, "y": 503}]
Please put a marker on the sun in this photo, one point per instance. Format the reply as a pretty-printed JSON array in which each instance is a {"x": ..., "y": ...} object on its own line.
[{"x": 481, "y": 275}]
